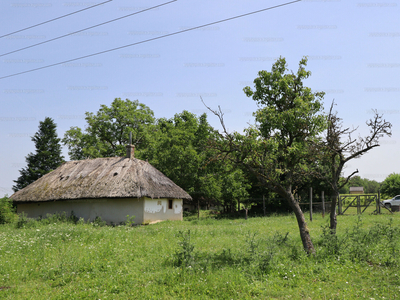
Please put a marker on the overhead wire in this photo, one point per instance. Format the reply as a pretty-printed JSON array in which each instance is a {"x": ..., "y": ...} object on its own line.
[
  {"x": 75, "y": 32},
  {"x": 51, "y": 20},
  {"x": 152, "y": 39}
]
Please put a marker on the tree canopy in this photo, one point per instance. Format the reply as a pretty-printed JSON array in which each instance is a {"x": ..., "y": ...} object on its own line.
[
  {"x": 107, "y": 131},
  {"x": 391, "y": 186},
  {"x": 46, "y": 158},
  {"x": 370, "y": 186},
  {"x": 179, "y": 150}
]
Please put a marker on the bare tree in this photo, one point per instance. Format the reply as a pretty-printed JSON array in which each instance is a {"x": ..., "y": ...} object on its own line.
[{"x": 339, "y": 147}]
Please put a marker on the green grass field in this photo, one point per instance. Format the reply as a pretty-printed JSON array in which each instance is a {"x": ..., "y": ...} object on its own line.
[{"x": 258, "y": 258}]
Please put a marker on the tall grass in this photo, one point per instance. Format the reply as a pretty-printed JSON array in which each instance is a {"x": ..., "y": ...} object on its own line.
[{"x": 201, "y": 259}]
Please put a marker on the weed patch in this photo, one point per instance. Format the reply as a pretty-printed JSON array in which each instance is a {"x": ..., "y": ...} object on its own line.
[{"x": 377, "y": 245}]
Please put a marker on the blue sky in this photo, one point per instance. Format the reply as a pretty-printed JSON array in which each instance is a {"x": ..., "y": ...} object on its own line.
[{"x": 353, "y": 49}]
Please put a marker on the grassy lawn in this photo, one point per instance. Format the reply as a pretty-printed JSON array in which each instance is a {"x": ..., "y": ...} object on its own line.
[{"x": 259, "y": 258}]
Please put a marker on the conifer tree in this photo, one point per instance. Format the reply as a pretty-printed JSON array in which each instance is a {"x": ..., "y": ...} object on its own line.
[{"x": 47, "y": 157}]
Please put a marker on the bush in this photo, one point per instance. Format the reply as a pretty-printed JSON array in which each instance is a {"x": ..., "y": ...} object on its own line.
[
  {"x": 378, "y": 244},
  {"x": 129, "y": 221},
  {"x": 59, "y": 217},
  {"x": 187, "y": 214},
  {"x": 24, "y": 222},
  {"x": 98, "y": 222},
  {"x": 7, "y": 212}
]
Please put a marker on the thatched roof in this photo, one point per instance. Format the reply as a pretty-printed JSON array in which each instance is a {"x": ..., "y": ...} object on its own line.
[{"x": 114, "y": 177}]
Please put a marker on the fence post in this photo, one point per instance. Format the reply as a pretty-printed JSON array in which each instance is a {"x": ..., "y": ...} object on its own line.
[
  {"x": 310, "y": 203},
  {"x": 323, "y": 204},
  {"x": 358, "y": 205},
  {"x": 264, "y": 205},
  {"x": 379, "y": 202},
  {"x": 339, "y": 205}
]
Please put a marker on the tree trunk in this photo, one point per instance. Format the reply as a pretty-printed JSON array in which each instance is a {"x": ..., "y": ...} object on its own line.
[
  {"x": 301, "y": 221},
  {"x": 333, "y": 220}
]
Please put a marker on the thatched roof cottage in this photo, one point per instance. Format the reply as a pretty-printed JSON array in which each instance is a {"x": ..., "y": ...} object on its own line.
[{"x": 110, "y": 188}]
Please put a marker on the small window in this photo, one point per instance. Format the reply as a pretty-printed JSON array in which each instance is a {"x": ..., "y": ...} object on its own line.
[
  {"x": 159, "y": 203},
  {"x": 170, "y": 202}
]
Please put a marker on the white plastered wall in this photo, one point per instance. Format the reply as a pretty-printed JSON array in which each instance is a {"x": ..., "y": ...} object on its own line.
[
  {"x": 110, "y": 210},
  {"x": 158, "y": 209}
]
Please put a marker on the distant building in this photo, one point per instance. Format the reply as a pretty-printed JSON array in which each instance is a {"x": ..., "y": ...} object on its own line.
[
  {"x": 110, "y": 188},
  {"x": 356, "y": 190}
]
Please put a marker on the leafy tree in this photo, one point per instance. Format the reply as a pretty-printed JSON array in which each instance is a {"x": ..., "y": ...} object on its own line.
[
  {"x": 234, "y": 188},
  {"x": 370, "y": 186},
  {"x": 107, "y": 131},
  {"x": 259, "y": 194},
  {"x": 277, "y": 149},
  {"x": 339, "y": 148},
  {"x": 391, "y": 186},
  {"x": 356, "y": 181},
  {"x": 179, "y": 151},
  {"x": 47, "y": 157},
  {"x": 318, "y": 186}
]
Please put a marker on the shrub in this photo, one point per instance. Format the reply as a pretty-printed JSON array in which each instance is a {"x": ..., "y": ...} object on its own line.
[
  {"x": 7, "y": 212},
  {"x": 99, "y": 222},
  {"x": 24, "y": 222},
  {"x": 130, "y": 221},
  {"x": 187, "y": 214}
]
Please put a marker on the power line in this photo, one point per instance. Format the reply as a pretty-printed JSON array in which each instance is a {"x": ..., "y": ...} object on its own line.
[
  {"x": 75, "y": 12},
  {"x": 113, "y": 20},
  {"x": 152, "y": 39}
]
